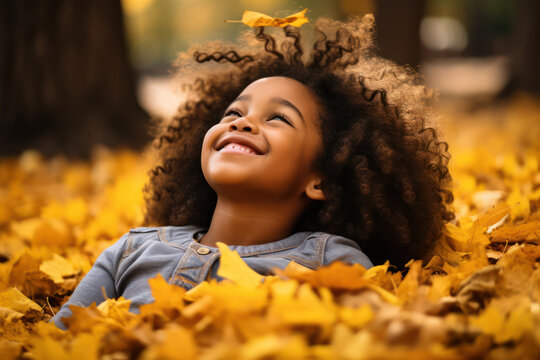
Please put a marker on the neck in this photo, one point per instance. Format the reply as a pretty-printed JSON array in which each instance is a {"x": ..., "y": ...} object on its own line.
[{"x": 249, "y": 223}]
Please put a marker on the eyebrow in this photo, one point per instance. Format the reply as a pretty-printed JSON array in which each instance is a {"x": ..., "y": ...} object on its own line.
[{"x": 277, "y": 100}]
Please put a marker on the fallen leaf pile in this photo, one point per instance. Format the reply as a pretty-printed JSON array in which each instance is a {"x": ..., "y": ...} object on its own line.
[{"x": 478, "y": 297}]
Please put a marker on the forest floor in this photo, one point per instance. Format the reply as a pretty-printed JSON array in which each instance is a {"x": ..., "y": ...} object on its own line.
[{"x": 478, "y": 298}]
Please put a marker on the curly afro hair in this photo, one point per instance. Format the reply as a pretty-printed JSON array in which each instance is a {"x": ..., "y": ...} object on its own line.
[{"x": 386, "y": 179}]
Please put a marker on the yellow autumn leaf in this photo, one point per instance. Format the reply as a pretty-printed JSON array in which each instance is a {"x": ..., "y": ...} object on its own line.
[
  {"x": 515, "y": 233},
  {"x": 25, "y": 228},
  {"x": 84, "y": 347},
  {"x": 83, "y": 319},
  {"x": 166, "y": 294},
  {"x": 167, "y": 297},
  {"x": 79, "y": 260},
  {"x": 15, "y": 300},
  {"x": 348, "y": 344},
  {"x": 73, "y": 211},
  {"x": 236, "y": 298},
  {"x": 306, "y": 308},
  {"x": 253, "y": 18},
  {"x": 9, "y": 315},
  {"x": 440, "y": 287},
  {"x": 233, "y": 268},
  {"x": 283, "y": 290},
  {"x": 504, "y": 328},
  {"x": 275, "y": 346},
  {"x": 293, "y": 270},
  {"x": 519, "y": 204},
  {"x": 385, "y": 294},
  {"x": 173, "y": 342},
  {"x": 198, "y": 291},
  {"x": 338, "y": 275},
  {"x": 408, "y": 288},
  {"x": 356, "y": 317},
  {"x": 116, "y": 309},
  {"x": 377, "y": 271},
  {"x": 53, "y": 233},
  {"x": 58, "y": 268}
]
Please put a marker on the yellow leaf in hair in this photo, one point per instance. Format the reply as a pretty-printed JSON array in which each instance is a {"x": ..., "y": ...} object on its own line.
[{"x": 253, "y": 18}]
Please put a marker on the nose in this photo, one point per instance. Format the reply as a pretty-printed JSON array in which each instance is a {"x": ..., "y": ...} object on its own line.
[{"x": 243, "y": 124}]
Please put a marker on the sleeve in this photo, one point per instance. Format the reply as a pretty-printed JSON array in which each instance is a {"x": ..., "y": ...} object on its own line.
[
  {"x": 102, "y": 274},
  {"x": 339, "y": 248}
]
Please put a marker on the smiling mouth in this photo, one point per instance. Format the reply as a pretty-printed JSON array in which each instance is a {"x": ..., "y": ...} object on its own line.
[{"x": 238, "y": 148}]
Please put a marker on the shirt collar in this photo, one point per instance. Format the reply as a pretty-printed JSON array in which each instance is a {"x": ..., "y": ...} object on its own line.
[{"x": 184, "y": 235}]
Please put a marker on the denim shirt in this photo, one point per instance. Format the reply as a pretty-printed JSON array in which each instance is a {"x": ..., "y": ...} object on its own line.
[{"x": 124, "y": 268}]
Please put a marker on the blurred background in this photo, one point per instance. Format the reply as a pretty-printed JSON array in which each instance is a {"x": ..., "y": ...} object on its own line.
[{"x": 74, "y": 74}]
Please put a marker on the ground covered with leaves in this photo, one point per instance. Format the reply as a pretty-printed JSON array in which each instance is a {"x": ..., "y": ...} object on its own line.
[{"x": 478, "y": 298}]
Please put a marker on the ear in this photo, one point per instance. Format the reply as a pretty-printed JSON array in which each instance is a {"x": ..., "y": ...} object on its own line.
[{"x": 313, "y": 189}]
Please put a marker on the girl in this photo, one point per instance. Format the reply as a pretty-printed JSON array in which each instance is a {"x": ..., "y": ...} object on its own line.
[{"x": 284, "y": 155}]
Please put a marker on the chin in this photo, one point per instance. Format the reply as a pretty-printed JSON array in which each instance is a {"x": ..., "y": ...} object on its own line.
[{"x": 226, "y": 177}]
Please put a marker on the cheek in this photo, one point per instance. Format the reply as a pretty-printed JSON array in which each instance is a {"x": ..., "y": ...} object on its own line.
[
  {"x": 291, "y": 155},
  {"x": 208, "y": 142}
]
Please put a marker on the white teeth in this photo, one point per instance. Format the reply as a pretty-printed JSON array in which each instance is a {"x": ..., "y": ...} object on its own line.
[{"x": 239, "y": 148}]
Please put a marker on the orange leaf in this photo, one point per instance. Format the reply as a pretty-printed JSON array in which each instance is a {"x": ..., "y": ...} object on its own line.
[
  {"x": 57, "y": 268},
  {"x": 253, "y": 18},
  {"x": 167, "y": 298},
  {"x": 337, "y": 275},
  {"x": 529, "y": 232},
  {"x": 15, "y": 300}
]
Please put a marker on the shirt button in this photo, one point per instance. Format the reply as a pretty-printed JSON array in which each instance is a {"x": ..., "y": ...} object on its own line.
[{"x": 203, "y": 251}]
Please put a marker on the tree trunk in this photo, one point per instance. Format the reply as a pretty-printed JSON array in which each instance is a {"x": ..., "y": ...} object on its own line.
[
  {"x": 526, "y": 47},
  {"x": 65, "y": 80},
  {"x": 398, "y": 28}
]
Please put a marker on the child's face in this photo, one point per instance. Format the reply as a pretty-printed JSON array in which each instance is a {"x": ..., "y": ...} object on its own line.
[{"x": 266, "y": 142}]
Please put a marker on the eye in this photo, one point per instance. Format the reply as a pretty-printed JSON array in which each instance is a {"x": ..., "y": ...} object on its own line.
[
  {"x": 232, "y": 112},
  {"x": 281, "y": 117}
]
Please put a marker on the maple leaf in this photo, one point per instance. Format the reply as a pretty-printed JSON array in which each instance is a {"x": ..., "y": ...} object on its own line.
[
  {"x": 15, "y": 300},
  {"x": 58, "y": 268},
  {"x": 253, "y": 18}
]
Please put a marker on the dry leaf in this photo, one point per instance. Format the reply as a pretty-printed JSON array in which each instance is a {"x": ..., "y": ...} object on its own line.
[
  {"x": 167, "y": 298},
  {"x": 252, "y": 18},
  {"x": 233, "y": 268},
  {"x": 529, "y": 232},
  {"x": 58, "y": 268},
  {"x": 476, "y": 298},
  {"x": 15, "y": 300}
]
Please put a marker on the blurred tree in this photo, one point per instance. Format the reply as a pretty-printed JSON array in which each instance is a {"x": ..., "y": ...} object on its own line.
[
  {"x": 65, "y": 80},
  {"x": 398, "y": 30},
  {"x": 526, "y": 46}
]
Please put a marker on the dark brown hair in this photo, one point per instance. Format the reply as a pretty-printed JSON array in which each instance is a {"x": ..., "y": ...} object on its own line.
[{"x": 385, "y": 171}]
